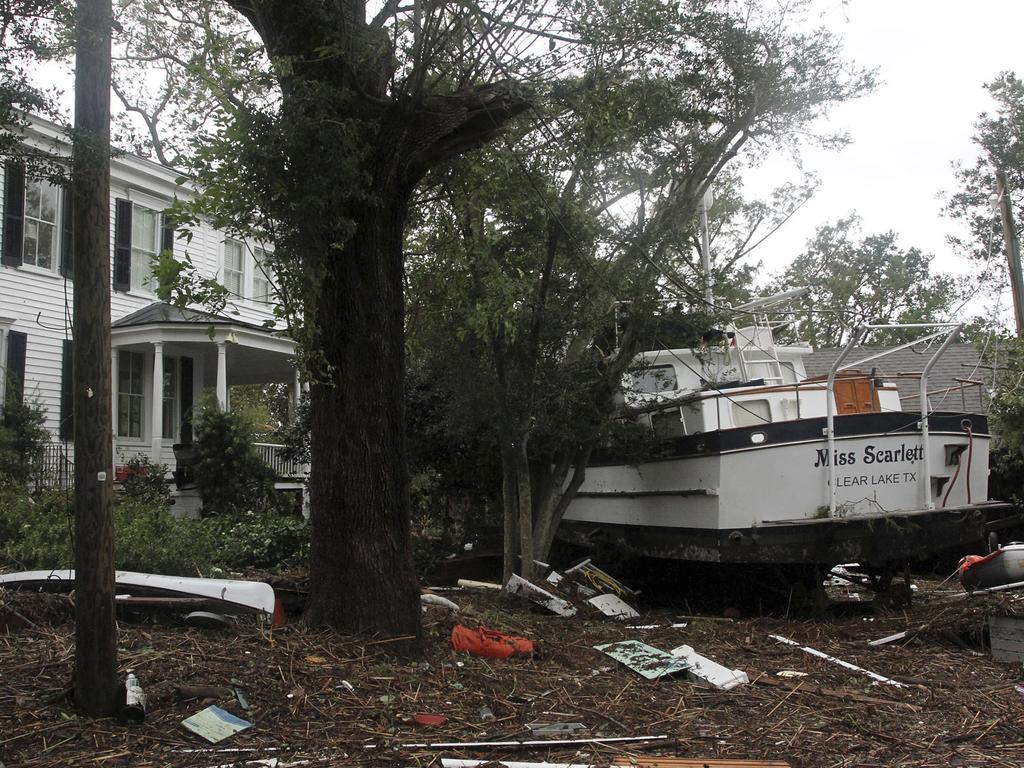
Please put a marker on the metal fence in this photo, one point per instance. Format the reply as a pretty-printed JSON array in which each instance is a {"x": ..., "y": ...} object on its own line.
[{"x": 53, "y": 468}]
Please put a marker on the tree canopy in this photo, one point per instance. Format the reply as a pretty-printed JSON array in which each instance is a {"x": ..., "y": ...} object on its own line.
[{"x": 854, "y": 279}]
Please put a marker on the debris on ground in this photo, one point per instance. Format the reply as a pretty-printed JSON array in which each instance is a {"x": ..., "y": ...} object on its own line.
[
  {"x": 316, "y": 697},
  {"x": 215, "y": 724},
  {"x": 703, "y": 668}
]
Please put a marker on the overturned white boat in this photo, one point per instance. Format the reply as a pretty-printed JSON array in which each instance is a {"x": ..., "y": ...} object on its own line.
[
  {"x": 757, "y": 463},
  {"x": 233, "y": 594}
]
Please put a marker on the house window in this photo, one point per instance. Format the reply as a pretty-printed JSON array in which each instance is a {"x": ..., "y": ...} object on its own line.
[
  {"x": 234, "y": 267},
  {"x": 170, "y": 411},
  {"x": 41, "y": 201},
  {"x": 261, "y": 277},
  {"x": 129, "y": 393},
  {"x": 145, "y": 247}
]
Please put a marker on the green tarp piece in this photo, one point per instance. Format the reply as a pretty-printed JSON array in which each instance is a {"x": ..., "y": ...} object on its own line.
[{"x": 644, "y": 659}]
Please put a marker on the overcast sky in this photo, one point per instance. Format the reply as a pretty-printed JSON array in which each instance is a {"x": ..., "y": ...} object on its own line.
[{"x": 933, "y": 58}]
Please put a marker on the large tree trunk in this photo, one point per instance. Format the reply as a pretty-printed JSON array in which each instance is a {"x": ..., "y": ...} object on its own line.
[
  {"x": 361, "y": 557},
  {"x": 95, "y": 628}
]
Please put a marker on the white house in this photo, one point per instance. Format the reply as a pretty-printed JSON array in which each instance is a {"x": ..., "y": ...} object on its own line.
[{"x": 163, "y": 359}]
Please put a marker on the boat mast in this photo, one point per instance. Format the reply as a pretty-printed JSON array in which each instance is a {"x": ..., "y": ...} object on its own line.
[{"x": 705, "y": 246}]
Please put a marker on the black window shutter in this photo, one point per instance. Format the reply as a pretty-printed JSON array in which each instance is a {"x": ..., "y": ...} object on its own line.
[
  {"x": 187, "y": 400},
  {"x": 14, "y": 215},
  {"x": 67, "y": 400},
  {"x": 67, "y": 235},
  {"x": 122, "y": 245},
  {"x": 166, "y": 233},
  {"x": 15, "y": 391}
]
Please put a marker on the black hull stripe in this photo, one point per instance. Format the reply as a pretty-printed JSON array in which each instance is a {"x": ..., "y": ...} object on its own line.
[{"x": 860, "y": 425}]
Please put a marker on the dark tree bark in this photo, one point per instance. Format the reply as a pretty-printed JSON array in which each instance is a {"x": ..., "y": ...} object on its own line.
[
  {"x": 95, "y": 629},
  {"x": 349, "y": 156}
]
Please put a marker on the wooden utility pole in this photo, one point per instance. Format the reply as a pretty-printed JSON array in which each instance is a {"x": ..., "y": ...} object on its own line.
[
  {"x": 95, "y": 629},
  {"x": 1012, "y": 249}
]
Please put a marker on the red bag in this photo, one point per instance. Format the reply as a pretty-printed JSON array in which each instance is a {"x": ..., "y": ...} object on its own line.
[{"x": 490, "y": 644}]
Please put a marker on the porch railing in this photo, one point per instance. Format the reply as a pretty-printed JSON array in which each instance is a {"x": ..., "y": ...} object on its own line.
[{"x": 285, "y": 470}]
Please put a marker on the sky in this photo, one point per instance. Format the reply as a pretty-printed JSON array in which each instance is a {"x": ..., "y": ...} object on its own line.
[{"x": 933, "y": 58}]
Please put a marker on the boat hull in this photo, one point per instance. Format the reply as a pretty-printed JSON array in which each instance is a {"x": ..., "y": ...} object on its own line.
[
  {"x": 762, "y": 495},
  {"x": 1004, "y": 566}
]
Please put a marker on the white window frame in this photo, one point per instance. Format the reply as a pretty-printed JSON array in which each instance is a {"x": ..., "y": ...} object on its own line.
[
  {"x": 172, "y": 402},
  {"x": 124, "y": 424},
  {"x": 233, "y": 279},
  {"x": 143, "y": 252},
  {"x": 262, "y": 277},
  {"x": 32, "y": 221}
]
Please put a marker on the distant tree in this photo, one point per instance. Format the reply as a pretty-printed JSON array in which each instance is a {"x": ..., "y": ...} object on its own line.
[
  {"x": 854, "y": 279},
  {"x": 32, "y": 32},
  {"x": 999, "y": 136}
]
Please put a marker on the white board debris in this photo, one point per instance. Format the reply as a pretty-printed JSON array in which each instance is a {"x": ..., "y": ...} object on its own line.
[
  {"x": 517, "y": 585},
  {"x": 614, "y": 606},
  {"x": 703, "y": 668}
]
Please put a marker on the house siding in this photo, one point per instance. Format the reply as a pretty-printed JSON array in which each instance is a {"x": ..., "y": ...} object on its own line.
[{"x": 41, "y": 304}]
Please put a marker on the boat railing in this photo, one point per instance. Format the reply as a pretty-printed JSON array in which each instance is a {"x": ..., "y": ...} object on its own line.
[{"x": 947, "y": 330}]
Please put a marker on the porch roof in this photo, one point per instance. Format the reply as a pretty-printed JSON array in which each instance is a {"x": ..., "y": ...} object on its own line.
[
  {"x": 160, "y": 312},
  {"x": 254, "y": 354}
]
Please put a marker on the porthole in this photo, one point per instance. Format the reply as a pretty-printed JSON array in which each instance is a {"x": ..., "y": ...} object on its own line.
[{"x": 758, "y": 437}]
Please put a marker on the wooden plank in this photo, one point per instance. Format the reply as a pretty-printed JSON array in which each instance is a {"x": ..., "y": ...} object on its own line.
[{"x": 1006, "y": 635}]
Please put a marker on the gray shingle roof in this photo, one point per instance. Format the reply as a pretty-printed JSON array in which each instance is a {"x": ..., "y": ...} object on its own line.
[
  {"x": 160, "y": 312},
  {"x": 960, "y": 361}
]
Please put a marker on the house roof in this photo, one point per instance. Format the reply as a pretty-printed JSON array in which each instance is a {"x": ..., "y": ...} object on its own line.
[
  {"x": 960, "y": 361},
  {"x": 161, "y": 313}
]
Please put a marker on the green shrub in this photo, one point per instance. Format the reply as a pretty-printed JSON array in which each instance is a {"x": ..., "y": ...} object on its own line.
[
  {"x": 148, "y": 538},
  {"x": 144, "y": 481},
  {"x": 267, "y": 540},
  {"x": 36, "y": 532},
  {"x": 22, "y": 437},
  {"x": 231, "y": 476}
]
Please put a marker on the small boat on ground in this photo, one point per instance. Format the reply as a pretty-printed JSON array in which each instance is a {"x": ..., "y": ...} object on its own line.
[
  {"x": 754, "y": 462},
  {"x": 998, "y": 568}
]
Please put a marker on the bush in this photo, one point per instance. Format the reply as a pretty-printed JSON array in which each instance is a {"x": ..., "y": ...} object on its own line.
[
  {"x": 36, "y": 532},
  {"x": 266, "y": 540},
  {"x": 231, "y": 476},
  {"x": 22, "y": 437},
  {"x": 144, "y": 481}
]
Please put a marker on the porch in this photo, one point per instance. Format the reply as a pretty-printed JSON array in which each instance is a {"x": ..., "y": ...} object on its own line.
[{"x": 165, "y": 360}]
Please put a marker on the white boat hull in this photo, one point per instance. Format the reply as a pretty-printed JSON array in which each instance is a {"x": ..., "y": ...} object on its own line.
[{"x": 762, "y": 494}]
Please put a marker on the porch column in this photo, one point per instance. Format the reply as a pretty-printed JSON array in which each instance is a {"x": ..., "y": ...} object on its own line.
[
  {"x": 222, "y": 375},
  {"x": 113, "y": 402},
  {"x": 157, "y": 427}
]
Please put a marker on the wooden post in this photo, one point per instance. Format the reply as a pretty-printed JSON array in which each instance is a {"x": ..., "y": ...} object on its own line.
[
  {"x": 95, "y": 681},
  {"x": 1012, "y": 250}
]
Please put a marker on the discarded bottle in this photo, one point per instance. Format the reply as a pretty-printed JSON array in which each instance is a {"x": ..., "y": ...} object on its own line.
[{"x": 133, "y": 711}]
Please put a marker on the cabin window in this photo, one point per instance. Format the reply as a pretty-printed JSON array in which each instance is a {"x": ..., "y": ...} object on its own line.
[
  {"x": 751, "y": 413},
  {"x": 234, "y": 267},
  {"x": 41, "y": 224},
  {"x": 130, "y": 395},
  {"x": 145, "y": 247},
  {"x": 657, "y": 378},
  {"x": 668, "y": 424},
  {"x": 170, "y": 409},
  {"x": 261, "y": 277}
]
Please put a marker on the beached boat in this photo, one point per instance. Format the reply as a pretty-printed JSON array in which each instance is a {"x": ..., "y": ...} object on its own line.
[
  {"x": 754, "y": 462},
  {"x": 1002, "y": 566}
]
